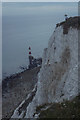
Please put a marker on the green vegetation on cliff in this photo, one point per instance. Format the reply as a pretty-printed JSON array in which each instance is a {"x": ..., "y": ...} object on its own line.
[{"x": 66, "y": 109}]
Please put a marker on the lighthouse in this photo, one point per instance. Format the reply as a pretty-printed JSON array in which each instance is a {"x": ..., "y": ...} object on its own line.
[
  {"x": 29, "y": 51},
  {"x": 30, "y": 57},
  {"x": 33, "y": 62}
]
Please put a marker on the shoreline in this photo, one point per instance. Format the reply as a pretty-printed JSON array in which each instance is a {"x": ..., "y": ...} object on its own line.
[
  {"x": 8, "y": 79},
  {"x": 13, "y": 74},
  {"x": 16, "y": 88}
]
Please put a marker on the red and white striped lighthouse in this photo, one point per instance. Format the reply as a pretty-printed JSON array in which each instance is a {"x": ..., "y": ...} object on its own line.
[
  {"x": 29, "y": 51},
  {"x": 30, "y": 57}
]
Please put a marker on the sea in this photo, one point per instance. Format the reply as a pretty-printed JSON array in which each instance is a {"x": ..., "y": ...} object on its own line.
[{"x": 29, "y": 24}]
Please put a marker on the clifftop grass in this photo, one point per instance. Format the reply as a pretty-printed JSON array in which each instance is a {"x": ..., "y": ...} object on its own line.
[
  {"x": 67, "y": 109},
  {"x": 73, "y": 22}
]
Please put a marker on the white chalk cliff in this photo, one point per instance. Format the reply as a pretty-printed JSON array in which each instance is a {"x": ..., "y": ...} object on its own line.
[{"x": 58, "y": 76}]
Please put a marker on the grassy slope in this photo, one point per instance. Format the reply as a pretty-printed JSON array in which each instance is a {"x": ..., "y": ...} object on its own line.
[{"x": 67, "y": 109}]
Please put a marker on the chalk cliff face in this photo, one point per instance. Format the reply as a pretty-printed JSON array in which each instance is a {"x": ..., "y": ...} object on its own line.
[{"x": 58, "y": 77}]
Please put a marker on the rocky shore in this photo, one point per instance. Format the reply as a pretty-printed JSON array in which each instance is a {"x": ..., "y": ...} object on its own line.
[{"x": 16, "y": 88}]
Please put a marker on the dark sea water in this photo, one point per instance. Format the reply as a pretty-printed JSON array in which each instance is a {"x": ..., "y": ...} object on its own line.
[{"x": 33, "y": 27}]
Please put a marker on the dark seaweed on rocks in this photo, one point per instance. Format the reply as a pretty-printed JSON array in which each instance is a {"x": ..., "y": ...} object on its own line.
[{"x": 73, "y": 22}]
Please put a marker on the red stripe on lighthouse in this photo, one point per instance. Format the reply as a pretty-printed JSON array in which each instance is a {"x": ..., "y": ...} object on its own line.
[
  {"x": 29, "y": 53},
  {"x": 29, "y": 48}
]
